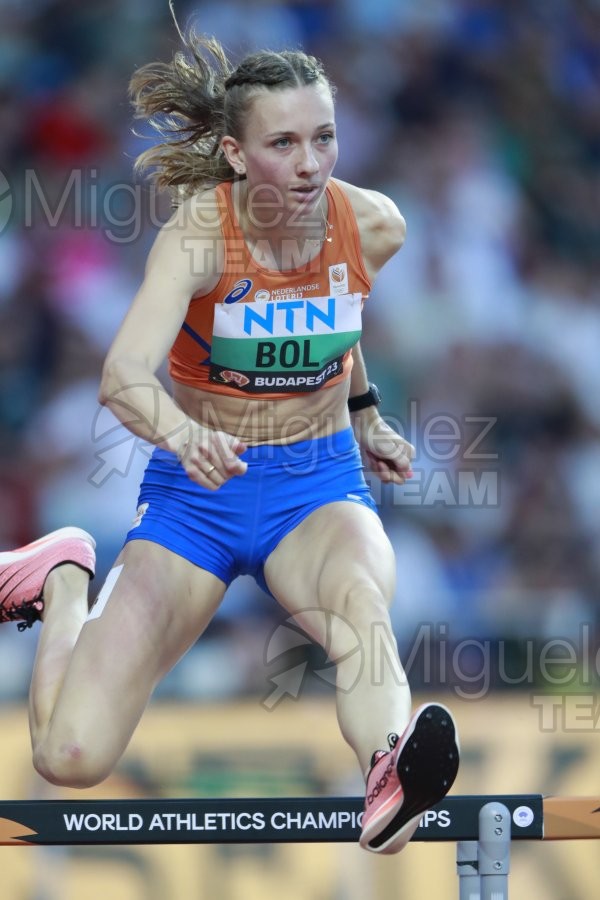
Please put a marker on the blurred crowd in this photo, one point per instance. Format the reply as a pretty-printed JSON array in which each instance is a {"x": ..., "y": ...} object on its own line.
[{"x": 481, "y": 119}]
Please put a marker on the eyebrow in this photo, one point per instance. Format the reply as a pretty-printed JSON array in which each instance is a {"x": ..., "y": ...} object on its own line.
[{"x": 288, "y": 133}]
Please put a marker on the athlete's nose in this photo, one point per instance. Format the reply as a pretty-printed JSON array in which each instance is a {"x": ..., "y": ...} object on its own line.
[{"x": 307, "y": 163}]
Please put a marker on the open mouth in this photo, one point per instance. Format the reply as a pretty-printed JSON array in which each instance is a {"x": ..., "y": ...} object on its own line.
[{"x": 305, "y": 191}]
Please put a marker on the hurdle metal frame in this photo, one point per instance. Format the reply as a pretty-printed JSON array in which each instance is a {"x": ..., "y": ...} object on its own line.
[{"x": 483, "y": 827}]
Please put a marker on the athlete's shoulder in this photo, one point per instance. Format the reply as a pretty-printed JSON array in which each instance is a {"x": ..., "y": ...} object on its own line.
[
  {"x": 188, "y": 244},
  {"x": 374, "y": 210},
  {"x": 200, "y": 214},
  {"x": 381, "y": 225}
]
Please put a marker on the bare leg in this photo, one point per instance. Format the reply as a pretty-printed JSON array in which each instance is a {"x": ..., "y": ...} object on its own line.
[
  {"x": 339, "y": 559},
  {"x": 379, "y": 701},
  {"x": 65, "y": 611},
  {"x": 94, "y": 677}
]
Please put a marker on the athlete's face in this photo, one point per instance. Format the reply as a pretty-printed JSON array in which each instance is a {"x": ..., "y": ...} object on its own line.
[{"x": 289, "y": 148}]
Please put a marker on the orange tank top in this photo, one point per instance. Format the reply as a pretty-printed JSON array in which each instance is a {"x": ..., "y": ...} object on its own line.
[{"x": 272, "y": 334}]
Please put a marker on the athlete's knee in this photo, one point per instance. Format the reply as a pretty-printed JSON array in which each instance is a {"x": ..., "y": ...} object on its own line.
[
  {"x": 363, "y": 600},
  {"x": 360, "y": 607},
  {"x": 70, "y": 764}
]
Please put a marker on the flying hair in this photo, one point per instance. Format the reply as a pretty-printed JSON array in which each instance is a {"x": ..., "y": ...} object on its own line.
[
  {"x": 174, "y": 17},
  {"x": 199, "y": 96}
]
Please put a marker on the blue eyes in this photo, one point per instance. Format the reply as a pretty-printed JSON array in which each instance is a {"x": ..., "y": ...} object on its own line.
[{"x": 323, "y": 139}]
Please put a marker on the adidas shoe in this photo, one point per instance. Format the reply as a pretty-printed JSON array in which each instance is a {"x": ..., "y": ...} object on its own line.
[
  {"x": 24, "y": 571},
  {"x": 412, "y": 776}
]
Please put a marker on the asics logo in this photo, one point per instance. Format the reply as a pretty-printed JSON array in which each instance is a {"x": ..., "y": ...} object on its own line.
[{"x": 381, "y": 784}]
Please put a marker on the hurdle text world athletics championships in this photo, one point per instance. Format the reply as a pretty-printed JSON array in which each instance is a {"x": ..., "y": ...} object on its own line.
[{"x": 208, "y": 821}]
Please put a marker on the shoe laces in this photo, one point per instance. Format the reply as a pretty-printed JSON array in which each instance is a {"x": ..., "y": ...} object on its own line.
[
  {"x": 26, "y": 615},
  {"x": 392, "y": 741}
]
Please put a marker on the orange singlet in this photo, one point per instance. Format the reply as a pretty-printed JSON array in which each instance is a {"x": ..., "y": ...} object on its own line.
[{"x": 272, "y": 334}]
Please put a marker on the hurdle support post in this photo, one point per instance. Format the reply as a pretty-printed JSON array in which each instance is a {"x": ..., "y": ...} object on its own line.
[
  {"x": 483, "y": 865},
  {"x": 493, "y": 851},
  {"x": 467, "y": 870}
]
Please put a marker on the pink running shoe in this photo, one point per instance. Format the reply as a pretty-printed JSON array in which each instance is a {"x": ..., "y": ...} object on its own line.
[
  {"x": 412, "y": 776},
  {"x": 24, "y": 571}
]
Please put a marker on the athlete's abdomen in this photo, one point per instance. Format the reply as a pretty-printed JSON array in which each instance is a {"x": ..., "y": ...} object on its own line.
[{"x": 268, "y": 421}]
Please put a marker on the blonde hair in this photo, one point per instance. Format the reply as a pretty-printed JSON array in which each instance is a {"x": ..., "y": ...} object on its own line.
[{"x": 197, "y": 98}]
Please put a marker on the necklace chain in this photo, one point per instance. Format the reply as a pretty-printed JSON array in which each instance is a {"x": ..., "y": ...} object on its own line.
[{"x": 327, "y": 226}]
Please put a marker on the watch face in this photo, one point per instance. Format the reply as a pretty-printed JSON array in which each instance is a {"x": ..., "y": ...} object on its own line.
[{"x": 375, "y": 393}]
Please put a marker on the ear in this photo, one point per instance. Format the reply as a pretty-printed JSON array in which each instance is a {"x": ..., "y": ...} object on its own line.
[{"x": 233, "y": 154}]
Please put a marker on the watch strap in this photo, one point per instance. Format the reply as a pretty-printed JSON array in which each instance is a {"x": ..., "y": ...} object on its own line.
[{"x": 372, "y": 397}]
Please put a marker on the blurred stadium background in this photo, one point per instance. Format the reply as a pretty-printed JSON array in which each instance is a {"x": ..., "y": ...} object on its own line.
[{"x": 481, "y": 119}]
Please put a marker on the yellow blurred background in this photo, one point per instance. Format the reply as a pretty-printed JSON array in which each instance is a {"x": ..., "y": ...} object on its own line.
[{"x": 241, "y": 749}]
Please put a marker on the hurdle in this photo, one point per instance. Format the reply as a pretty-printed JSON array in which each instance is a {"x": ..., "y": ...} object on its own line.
[{"x": 483, "y": 826}]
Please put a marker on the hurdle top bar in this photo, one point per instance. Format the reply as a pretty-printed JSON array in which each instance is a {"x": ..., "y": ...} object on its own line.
[{"x": 276, "y": 820}]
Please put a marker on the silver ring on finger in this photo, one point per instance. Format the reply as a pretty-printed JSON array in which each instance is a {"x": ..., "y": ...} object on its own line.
[{"x": 210, "y": 471}]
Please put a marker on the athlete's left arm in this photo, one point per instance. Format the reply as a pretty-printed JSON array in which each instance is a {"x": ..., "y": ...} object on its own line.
[
  {"x": 382, "y": 231},
  {"x": 387, "y": 453}
]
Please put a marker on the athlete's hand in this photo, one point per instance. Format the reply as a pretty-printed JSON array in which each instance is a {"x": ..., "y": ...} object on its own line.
[
  {"x": 211, "y": 458},
  {"x": 386, "y": 453}
]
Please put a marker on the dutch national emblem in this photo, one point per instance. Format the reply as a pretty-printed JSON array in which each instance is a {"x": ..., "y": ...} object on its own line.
[{"x": 338, "y": 279}]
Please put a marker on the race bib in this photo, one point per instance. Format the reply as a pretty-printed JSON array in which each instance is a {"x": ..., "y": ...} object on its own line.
[{"x": 283, "y": 345}]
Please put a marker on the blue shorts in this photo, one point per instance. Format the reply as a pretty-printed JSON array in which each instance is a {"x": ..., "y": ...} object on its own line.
[{"x": 232, "y": 531}]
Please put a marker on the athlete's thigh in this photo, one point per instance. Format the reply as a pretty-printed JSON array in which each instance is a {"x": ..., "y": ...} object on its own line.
[
  {"x": 339, "y": 548},
  {"x": 158, "y": 606}
]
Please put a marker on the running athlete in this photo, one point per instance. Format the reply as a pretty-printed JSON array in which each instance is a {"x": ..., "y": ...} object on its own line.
[{"x": 253, "y": 291}]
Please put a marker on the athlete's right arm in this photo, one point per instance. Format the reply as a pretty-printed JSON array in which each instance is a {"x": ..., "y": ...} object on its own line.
[{"x": 182, "y": 262}]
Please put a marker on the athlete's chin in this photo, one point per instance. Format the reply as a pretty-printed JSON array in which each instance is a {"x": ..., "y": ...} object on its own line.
[{"x": 305, "y": 201}]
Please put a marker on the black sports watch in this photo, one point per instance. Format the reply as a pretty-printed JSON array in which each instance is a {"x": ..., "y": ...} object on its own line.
[{"x": 371, "y": 398}]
